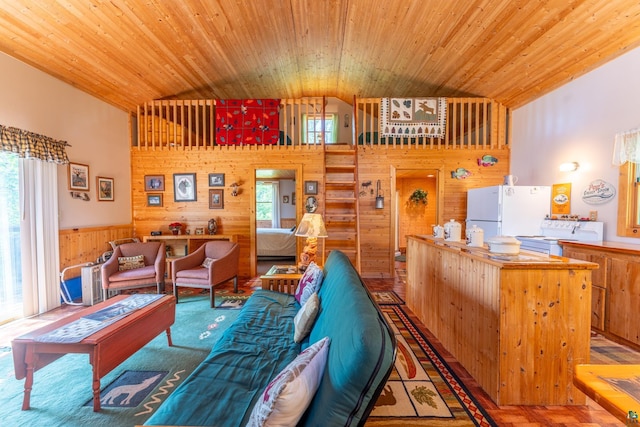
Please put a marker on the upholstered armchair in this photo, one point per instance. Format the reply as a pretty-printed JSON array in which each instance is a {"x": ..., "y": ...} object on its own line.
[
  {"x": 213, "y": 263},
  {"x": 134, "y": 265}
]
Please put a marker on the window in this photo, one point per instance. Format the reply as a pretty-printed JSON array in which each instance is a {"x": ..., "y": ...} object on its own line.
[
  {"x": 629, "y": 200},
  {"x": 264, "y": 201},
  {"x": 314, "y": 128},
  {"x": 10, "y": 265}
]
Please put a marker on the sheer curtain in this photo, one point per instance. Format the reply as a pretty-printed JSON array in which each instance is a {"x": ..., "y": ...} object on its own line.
[
  {"x": 626, "y": 147},
  {"x": 275, "y": 211}
]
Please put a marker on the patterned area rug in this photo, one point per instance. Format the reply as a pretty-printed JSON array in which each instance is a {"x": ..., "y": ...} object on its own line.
[
  {"x": 386, "y": 297},
  {"x": 422, "y": 389}
]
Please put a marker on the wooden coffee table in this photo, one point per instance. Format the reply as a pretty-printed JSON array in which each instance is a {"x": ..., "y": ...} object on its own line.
[
  {"x": 281, "y": 278},
  {"x": 107, "y": 348}
]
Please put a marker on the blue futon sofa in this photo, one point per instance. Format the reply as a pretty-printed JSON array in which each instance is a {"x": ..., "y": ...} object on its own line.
[{"x": 259, "y": 344}]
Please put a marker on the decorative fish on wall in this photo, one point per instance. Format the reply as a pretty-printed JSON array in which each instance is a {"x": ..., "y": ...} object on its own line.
[
  {"x": 487, "y": 160},
  {"x": 460, "y": 173}
]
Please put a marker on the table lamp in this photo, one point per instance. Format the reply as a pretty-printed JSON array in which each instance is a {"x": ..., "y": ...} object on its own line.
[{"x": 311, "y": 227}]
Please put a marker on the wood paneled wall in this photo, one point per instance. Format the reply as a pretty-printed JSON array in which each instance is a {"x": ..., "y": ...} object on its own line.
[{"x": 83, "y": 245}]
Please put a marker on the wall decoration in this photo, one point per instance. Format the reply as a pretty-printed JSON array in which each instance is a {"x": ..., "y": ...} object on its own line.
[
  {"x": 598, "y": 192},
  {"x": 293, "y": 198},
  {"x": 487, "y": 160},
  {"x": 311, "y": 205},
  {"x": 184, "y": 187},
  {"x": 460, "y": 173},
  {"x": 154, "y": 199},
  {"x": 80, "y": 195},
  {"x": 105, "y": 189},
  {"x": 285, "y": 199},
  {"x": 419, "y": 196},
  {"x": 311, "y": 187},
  {"x": 365, "y": 187},
  {"x": 561, "y": 199},
  {"x": 216, "y": 199},
  {"x": 413, "y": 117},
  {"x": 154, "y": 183},
  {"x": 199, "y": 231},
  {"x": 216, "y": 180},
  {"x": 78, "y": 176},
  {"x": 247, "y": 121}
]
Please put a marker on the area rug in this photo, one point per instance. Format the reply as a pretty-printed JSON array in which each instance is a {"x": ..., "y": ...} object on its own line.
[
  {"x": 422, "y": 389},
  {"x": 62, "y": 388},
  {"x": 386, "y": 297}
]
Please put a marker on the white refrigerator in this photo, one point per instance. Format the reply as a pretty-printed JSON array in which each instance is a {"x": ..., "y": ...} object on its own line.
[{"x": 504, "y": 210}]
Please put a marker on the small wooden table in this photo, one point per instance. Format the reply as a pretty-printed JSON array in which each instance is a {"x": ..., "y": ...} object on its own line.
[
  {"x": 281, "y": 278},
  {"x": 107, "y": 348},
  {"x": 597, "y": 382}
]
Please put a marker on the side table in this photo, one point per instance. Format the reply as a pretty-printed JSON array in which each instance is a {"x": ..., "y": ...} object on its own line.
[{"x": 281, "y": 278}]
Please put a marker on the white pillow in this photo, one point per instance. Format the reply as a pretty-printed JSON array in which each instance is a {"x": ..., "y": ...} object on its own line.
[
  {"x": 288, "y": 395},
  {"x": 207, "y": 262},
  {"x": 309, "y": 283},
  {"x": 305, "y": 317}
]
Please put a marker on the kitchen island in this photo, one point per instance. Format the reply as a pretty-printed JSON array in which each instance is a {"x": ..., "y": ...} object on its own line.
[{"x": 519, "y": 324}]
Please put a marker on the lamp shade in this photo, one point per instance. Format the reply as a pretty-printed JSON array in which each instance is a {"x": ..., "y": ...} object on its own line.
[{"x": 311, "y": 225}]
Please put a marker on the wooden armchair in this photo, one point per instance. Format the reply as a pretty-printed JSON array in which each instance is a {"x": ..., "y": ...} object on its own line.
[
  {"x": 149, "y": 272},
  {"x": 190, "y": 272}
]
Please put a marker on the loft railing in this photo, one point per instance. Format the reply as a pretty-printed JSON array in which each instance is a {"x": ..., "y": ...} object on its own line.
[{"x": 472, "y": 123}]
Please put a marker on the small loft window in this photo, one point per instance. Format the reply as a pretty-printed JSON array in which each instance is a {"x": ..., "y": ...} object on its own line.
[{"x": 313, "y": 128}]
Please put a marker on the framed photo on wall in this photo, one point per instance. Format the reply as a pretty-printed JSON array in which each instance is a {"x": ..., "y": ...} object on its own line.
[
  {"x": 154, "y": 200},
  {"x": 216, "y": 199},
  {"x": 216, "y": 180},
  {"x": 78, "y": 177},
  {"x": 105, "y": 189},
  {"x": 184, "y": 187},
  {"x": 154, "y": 183},
  {"x": 311, "y": 187}
]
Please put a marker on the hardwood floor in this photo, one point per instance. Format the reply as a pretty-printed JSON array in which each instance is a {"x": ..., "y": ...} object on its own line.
[{"x": 603, "y": 351}]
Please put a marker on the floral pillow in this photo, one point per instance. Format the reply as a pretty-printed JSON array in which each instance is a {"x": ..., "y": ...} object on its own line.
[
  {"x": 309, "y": 283},
  {"x": 305, "y": 317},
  {"x": 288, "y": 395},
  {"x": 130, "y": 262}
]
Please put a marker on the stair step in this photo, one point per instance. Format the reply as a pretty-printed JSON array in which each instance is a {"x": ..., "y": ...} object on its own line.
[{"x": 340, "y": 183}]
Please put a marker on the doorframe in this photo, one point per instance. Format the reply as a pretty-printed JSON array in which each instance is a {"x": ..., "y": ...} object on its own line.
[{"x": 252, "y": 210}]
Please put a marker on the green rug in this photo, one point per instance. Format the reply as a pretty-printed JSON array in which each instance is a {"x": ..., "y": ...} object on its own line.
[{"x": 62, "y": 388}]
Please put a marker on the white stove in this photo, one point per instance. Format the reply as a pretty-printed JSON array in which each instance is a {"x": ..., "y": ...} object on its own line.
[{"x": 553, "y": 230}]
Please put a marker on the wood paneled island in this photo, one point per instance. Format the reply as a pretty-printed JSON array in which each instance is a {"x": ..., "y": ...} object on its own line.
[{"x": 518, "y": 324}]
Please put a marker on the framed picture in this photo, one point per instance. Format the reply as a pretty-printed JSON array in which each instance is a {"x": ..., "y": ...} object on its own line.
[
  {"x": 184, "y": 187},
  {"x": 216, "y": 180},
  {"x": 216, "y": 199},
  {"x": 285, "y": 199},
  {"x": 293, "y": 198},
  {"x": 154, "y": 183},
  {"x": 311, "y": 187},
  {"x": 78, "y": 176},
  {"x": 105, "y": 189},
  {"x": 199, "y": 231},
  {"x": 154, "y": 199}
]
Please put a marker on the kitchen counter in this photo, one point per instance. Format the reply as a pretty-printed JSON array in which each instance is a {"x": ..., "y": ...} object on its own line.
[{"x": 518, "y": 324}]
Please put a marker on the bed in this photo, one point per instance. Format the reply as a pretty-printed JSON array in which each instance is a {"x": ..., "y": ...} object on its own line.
[{"x": 280, "y": 242}]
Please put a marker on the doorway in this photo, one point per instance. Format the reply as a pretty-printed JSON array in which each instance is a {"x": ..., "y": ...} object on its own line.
[{"x": 275, "y": 217}]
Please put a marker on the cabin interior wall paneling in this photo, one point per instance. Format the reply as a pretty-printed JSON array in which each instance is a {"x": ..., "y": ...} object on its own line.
[
  {"x": 84, "y": 245},
  {"x": 415, "y": 218}
]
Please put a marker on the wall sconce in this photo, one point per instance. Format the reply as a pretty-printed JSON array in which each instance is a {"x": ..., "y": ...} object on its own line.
[
  {"x": 379, "y": 198},
  {"x": 569, "y": 167},
  {"x": 234, "y": 189}
]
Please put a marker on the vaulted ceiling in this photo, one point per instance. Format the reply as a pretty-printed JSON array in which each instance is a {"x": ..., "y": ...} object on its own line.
[{"x": 127, "y": 52}]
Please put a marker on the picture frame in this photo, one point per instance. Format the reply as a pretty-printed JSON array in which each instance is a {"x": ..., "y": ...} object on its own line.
[
  {"x": 78, "y": 177},
  {"x": 154, "y": 183},
  {"x": 216, "y": 180},
  {"x": 293, "y": 198},
  {"x": 184, "y": 187},
  {"x": 216, "y": 199},
  {"x": 311, "y": 187},
  {"x": 105, "y": 189},
  {"x": 154, "y": 200},
  {"x": 285, "y": 199},
  {"x": 199, "y": 231}
]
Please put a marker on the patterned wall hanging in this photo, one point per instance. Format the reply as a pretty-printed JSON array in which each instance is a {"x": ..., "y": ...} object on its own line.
[
  {"x": 247, "y": 121},
  {"x": 414, "y": 117}
]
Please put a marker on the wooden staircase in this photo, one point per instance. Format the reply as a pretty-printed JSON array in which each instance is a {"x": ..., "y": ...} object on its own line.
[{"x": 341, "y": 201}]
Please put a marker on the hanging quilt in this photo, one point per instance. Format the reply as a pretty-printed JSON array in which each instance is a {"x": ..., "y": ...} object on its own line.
[
  {"x": 247, "y": 121},
  {"x": 414, "y": 117}
]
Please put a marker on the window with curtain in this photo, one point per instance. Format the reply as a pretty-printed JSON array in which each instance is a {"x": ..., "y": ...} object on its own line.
[
  {"x": 267, "y": 202},
  {"x": 29, "y": 259},
  {"x": 313, "y": 128}
]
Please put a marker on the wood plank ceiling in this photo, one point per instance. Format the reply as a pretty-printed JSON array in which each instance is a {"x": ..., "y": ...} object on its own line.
[{"x": 127, "y": 52}]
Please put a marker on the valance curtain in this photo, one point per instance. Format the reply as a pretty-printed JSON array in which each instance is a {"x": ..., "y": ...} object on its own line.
[
  {"x": 29, "y": 145},
  {"x": 627, "y": 147}
]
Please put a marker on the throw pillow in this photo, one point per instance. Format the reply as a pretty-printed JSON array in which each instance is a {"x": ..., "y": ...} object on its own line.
[
  {"x": 305, "y": 317},
  {"x": 207, "y": 262},
  {"x": 130, "y": 262},
  {"x": 309, "y": 283},
  {"x": 288, "y": 395}
]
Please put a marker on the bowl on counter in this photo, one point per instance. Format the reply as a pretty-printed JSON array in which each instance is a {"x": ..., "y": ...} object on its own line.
[{"x": 505, "y": 245}]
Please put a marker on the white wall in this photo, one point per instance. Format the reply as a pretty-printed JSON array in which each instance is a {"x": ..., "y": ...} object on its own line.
[
  {"x": 98, "y": 134},
  {"x": 577, "y": 122}
]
